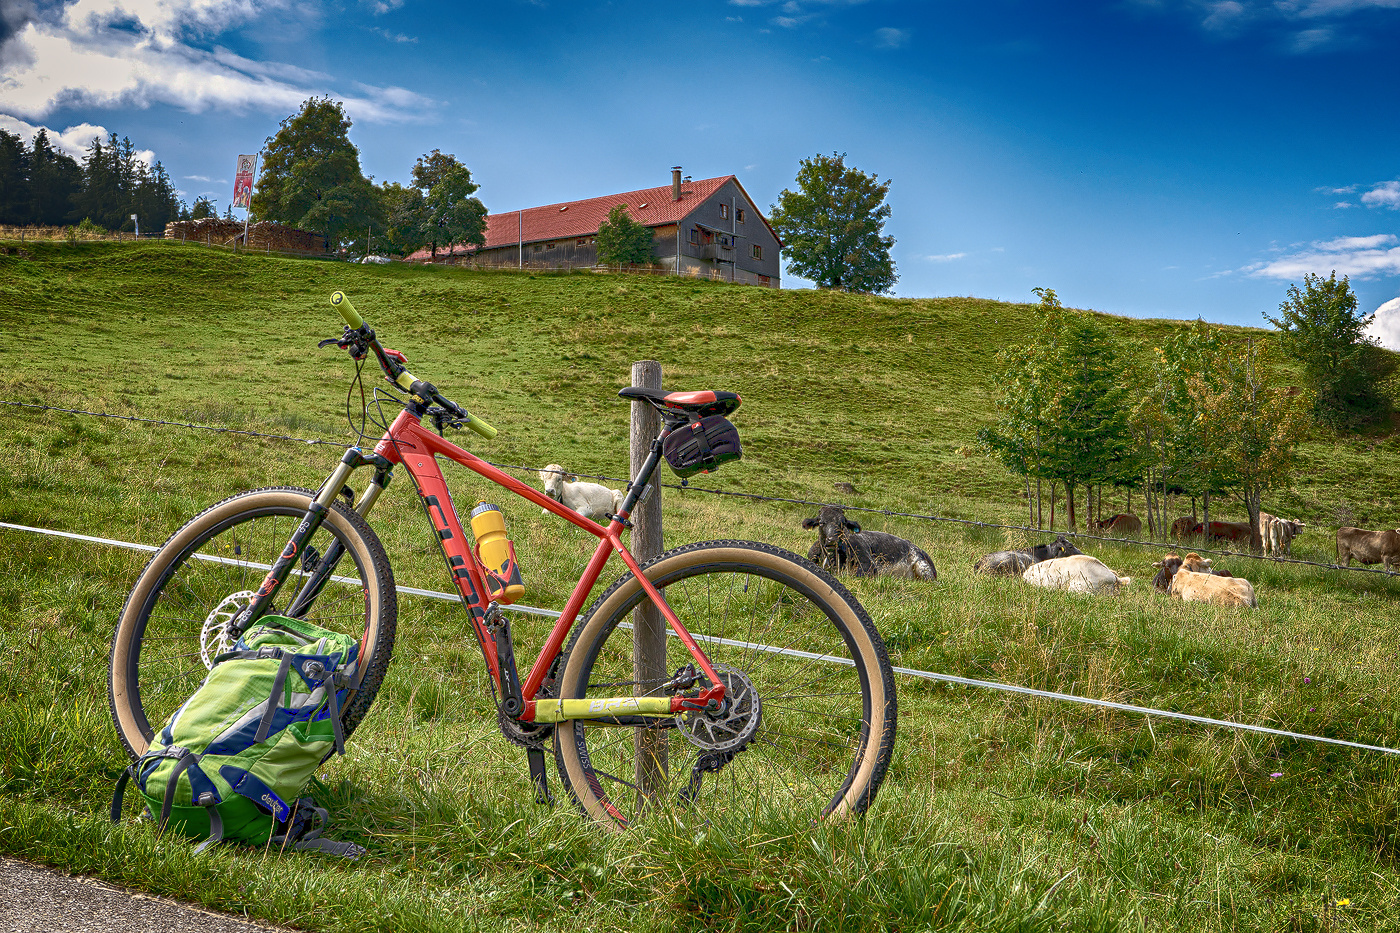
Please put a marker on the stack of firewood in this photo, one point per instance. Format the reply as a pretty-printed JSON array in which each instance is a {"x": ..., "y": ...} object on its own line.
[{"x": 216, "y": 231}]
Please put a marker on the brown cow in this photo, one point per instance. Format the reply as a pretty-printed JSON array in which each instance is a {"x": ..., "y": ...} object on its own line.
[
  {"x": 1124, "y": 523},
  {"x": 1228, "y": 532},
  {"x": 1368, "y": 547}
]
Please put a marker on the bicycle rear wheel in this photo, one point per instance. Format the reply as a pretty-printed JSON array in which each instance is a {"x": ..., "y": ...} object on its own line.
[
  {"x": 173, "y": 623},
  {"x": 809, "y": 724}
]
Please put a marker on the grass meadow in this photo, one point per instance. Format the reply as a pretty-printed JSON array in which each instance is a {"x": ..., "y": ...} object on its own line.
[{"x": 1000, "y": 812}]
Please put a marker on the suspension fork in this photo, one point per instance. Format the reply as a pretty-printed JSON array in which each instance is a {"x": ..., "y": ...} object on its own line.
[{"x": 310, "y": 523}]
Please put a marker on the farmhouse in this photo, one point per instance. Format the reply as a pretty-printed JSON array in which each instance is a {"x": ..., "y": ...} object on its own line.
[{"x": 708, "y": 228}]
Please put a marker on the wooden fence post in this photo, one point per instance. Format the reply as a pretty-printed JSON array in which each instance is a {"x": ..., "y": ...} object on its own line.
[{"x": 649, "y": 628}]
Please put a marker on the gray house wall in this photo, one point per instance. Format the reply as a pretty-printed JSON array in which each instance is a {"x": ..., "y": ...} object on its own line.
[{"x": 736, "y": 263}]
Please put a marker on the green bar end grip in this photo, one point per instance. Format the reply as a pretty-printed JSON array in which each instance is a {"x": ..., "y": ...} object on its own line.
[
  {"x": 481, "y": 427},
  {"x": 347, "y": 310}
]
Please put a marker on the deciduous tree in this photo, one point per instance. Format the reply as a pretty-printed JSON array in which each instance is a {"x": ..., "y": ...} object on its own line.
[
  {"x": 1255, "y": 427},
  {"x": 404, "y": 219},
  {"x": 831, "y": 226},
  {"x": 622, "y": 240},
  {"x": 1321, "y": 327},
  {"x": 449, "y": 215},
  {"x": 311, "y": 175}
]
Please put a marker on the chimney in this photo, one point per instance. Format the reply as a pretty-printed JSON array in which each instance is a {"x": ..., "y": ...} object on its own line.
[{"x": 675, "y": 183}]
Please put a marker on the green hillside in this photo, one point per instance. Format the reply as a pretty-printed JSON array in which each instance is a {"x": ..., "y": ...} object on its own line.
[
  {"x": 1000, "y": 812},
  {"x": 886, "y": 394}
]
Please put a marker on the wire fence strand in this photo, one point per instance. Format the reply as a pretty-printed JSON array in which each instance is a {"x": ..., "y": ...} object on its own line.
[{"x": 684, "y": 486}]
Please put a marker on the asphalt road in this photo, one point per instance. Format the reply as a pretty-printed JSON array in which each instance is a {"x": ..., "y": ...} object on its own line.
[{"x": 35, "y": 899}]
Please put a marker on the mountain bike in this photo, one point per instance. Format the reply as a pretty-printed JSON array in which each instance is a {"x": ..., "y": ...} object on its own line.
[{"x": 772, "y": 687}]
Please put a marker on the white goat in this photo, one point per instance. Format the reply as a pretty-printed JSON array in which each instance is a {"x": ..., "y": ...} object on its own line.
[{"x": 591, "y": 500}]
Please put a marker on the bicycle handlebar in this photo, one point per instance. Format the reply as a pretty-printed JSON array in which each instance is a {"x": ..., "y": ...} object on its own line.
[
  {"x": 398, "y": 374},
  {"x": 347, "y": 310}
]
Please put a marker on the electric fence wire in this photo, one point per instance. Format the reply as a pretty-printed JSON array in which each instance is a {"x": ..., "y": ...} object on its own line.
[
  {"x": 686, "y": 487},
  {"x": 950, "y": 679}
]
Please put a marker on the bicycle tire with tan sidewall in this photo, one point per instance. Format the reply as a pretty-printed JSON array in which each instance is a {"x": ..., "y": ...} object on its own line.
[
  {"x": 784, "y": 626},
  {"x": 239, "y": 538}
]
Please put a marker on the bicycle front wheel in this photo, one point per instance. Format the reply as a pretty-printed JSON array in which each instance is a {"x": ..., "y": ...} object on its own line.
[
  {"x": 808, "y": 724},
  {"x": 174, "y": 622}
]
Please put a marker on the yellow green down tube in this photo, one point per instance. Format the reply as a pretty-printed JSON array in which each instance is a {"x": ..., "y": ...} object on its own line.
[{"x": 565, "y": 710}]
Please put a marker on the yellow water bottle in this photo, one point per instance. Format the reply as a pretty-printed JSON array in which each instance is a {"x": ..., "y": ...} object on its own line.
[{"x": 497, "y": 554}]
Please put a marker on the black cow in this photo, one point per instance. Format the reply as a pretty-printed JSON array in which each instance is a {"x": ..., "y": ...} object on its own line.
[
  {"x": 1014, "y": 563},
  {"x": 842, "y": 545}
]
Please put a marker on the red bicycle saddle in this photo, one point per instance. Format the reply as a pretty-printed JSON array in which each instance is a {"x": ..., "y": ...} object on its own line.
[{"x": 703, "y": 403}]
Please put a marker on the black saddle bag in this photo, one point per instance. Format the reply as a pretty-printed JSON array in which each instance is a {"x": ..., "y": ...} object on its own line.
[{"x": 702, "y": 446}]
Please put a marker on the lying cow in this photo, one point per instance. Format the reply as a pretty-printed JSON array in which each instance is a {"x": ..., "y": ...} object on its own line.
[
  {"x": 1368, "y": 547},
  {"x": 842, "y": 545},
  {"x": 1226, "y": 532},
  {"x": 1014, "y": 563},
  {"x": 1078, "y": 574},
  {"x": 1278, "y": 533},
  {"x": 1206, "y": 585},
  {"x": 1124, "y": 523},
  {"x": 1193, "y": 562},
  {"x": 1184, "y": 527}
]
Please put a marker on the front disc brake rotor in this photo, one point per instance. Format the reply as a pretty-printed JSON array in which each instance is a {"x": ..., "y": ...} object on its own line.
[
  {"x": 214, "y": 638},
  {"x": 736, "y": 722}
]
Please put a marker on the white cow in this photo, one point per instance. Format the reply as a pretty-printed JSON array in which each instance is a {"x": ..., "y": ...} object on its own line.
[
  {"x": 1079, "y": 573},
  {"x": 1209, "y": 588}
]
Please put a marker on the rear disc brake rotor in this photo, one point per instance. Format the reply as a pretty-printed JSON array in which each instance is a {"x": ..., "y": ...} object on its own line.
[{"x": 737, "y": 721}]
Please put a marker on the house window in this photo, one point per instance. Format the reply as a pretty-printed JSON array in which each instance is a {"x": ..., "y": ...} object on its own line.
[
  {"x": 724, "y": 211},
  {"x": 757, "y": 251},
  {"x": 764, "y": 280},
  {"x": 695, "y": 236},
  {"x": 539, "y": 247},
  {"x": 739, "y": 215},
  {"x": 582, "y": 241}
]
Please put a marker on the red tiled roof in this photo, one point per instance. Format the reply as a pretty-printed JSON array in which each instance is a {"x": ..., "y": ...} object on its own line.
[{"x": 652, "y": 207}]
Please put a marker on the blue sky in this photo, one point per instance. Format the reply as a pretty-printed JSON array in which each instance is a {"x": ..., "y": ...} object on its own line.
[{"x": 1142, "y": 157}]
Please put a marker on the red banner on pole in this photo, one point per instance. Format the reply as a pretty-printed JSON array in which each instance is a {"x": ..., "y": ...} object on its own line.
[{"x": 243, "y": 181}]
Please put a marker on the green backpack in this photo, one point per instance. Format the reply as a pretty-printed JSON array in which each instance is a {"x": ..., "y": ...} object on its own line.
[{"x": 231, "y": 762}]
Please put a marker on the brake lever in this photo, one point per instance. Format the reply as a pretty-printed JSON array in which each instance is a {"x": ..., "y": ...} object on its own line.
[
  {"x": 441, "y": 419},
  {"x": 353, "y": 341}
]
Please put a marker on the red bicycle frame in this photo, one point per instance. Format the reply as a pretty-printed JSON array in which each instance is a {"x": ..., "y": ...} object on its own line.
[{"x": 408, "y": 443}]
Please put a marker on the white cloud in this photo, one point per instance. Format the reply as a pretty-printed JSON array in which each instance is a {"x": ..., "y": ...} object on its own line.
[
  {"x": 890, "y": 38},
  {"x": 1347, "y": 243},
  {"x": 1385, "y": 327},
  {"x": 73, "y": 141},
  {"x": 1224, "y": 15},
  {"x": 136, "y": 53},
  {"x": 947, "y": 257},
  {"x": 394, "y": 36},
  {"x": 1300, "y": 26},
  {"x": 1342, "y": 205},
  {"x": 1358, "y": 257},
  {"x": 380, "y": 7},
  {"x": 1385, "y": 194},
  {"x": 1310, "y": 40}
]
